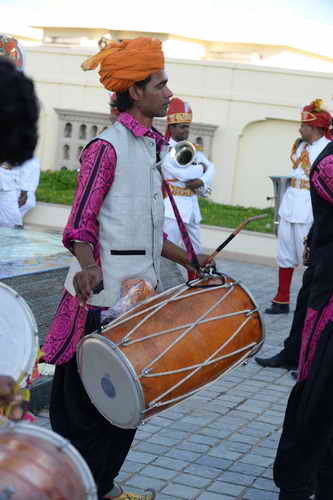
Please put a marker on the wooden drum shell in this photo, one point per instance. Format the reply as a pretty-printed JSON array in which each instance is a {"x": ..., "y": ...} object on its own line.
[{"x": 151, "y": 349}]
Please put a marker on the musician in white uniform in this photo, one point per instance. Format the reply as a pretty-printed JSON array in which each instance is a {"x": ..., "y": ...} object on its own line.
[
  {"x": 295, "y": 210},
  {"x": 10, "y": 215},
  {"x": 186, "y": 183},
  {"x": 29, "y": 180}
]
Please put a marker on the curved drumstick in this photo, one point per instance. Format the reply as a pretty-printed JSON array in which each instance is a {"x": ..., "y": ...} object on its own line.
[{"x": 232, "y": 235}]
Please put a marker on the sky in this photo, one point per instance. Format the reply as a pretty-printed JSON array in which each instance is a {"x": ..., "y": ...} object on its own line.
[{"x": 304, "y": 24}]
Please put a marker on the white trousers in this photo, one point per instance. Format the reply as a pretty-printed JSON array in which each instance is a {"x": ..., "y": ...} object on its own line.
[
  {"x": 31, "y": 203},
  {"x": 10, "y": 214},
  {"x": 174, "y": 235},
  {"x": 290, "y": 246}
]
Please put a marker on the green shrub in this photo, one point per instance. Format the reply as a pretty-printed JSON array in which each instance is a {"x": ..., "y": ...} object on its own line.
[{"x": 59, "y": 187}]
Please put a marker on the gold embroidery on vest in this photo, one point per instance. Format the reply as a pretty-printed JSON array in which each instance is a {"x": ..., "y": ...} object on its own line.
[{"x": 303, "y": 160}]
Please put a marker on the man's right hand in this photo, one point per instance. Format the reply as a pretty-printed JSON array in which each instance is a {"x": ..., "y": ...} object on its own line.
[{"x": 85, "y": 281}]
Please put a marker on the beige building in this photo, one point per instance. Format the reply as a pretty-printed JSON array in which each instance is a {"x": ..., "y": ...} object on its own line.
[{"x": 245, "y": 114}]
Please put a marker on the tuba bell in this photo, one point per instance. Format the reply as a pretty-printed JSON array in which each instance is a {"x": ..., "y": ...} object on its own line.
[{"x": 183, "y": 153}]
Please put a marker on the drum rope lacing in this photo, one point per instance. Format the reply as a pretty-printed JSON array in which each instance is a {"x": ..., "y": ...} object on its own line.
[
  {"x": 185, "y": 325},
  {"x": 208, "y": 362},
  {"x": 155, "y": 404},
  {"x": 189, "y": 327},
  {"x": 124, "y": 317},
  {"x": 186, "y": 332}
]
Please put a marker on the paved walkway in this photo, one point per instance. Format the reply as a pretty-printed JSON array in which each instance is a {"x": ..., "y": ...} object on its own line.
[{"x": 220, "y": 444}]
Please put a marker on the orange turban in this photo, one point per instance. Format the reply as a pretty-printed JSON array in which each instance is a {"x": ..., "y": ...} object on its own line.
[{"x": 122, "y": 64}]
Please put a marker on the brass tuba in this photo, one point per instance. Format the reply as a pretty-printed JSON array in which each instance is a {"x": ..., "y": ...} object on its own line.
[{"x": 183, "y": 153}]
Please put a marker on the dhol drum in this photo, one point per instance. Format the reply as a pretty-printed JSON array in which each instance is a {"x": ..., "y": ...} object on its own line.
[
  {"x": 18, "y": 335},
  {"x": 38, "y": 464},
  {"x": 168, "y": 347}
]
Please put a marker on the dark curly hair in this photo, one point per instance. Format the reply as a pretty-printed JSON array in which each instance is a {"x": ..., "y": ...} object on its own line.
[
  {"x": 18, "y": 115},
  {"x": 124, "y": 101}
]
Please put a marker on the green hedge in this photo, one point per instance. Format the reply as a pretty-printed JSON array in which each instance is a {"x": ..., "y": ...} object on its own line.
[{"x": 59, "y": 187}]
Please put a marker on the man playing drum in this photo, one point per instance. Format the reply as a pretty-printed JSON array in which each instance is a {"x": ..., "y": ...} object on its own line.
[{"x": 115, "y": 231}]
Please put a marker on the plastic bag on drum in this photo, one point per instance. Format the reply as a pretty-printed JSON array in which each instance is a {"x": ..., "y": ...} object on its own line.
[{"x": 132, "y": 292}]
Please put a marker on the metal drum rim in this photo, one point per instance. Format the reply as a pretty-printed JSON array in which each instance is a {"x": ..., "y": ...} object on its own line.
[
  {"x": 34, "y": 328},
  {"x": 57, "y": 440},
  {"x": 125, "y": 361}
]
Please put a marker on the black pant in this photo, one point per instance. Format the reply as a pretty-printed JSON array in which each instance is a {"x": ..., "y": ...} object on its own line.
[
  {"x": 292, "y": 344},
  {"x": 103, "y": 445},
  {"x": 304, "y": 460}
]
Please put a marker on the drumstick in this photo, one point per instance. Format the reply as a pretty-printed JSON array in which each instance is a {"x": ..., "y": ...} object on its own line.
[{"x": 232, "y": 235}]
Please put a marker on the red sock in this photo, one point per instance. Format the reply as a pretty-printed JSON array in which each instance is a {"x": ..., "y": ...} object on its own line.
[{"x": 283, "y": 293}]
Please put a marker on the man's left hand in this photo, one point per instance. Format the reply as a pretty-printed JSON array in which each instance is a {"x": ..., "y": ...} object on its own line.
[{"x": 194, "y": 184}]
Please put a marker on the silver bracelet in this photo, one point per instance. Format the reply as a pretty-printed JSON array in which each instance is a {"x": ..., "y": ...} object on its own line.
[{"x": 85, "y": 242}]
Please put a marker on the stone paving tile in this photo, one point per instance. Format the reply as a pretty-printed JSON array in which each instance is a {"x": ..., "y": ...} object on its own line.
[
  {"x": 209, "y": 472},
  {"x": 158, "y": 472},
  {"x": 236, "y": 478},
  {"x": 181, "y": 491},
  {"x": 225, "y": 437},
  {"x": 214, "y": 496},
  {"x": 144, "y": 482},
  {"x": 265, "y": 484},
  {"x": 192, "y": 480},
  {"x": 253, "y": 494},
  {"x": 148, "y": 447},
  {"x": 226, "y": 488}
]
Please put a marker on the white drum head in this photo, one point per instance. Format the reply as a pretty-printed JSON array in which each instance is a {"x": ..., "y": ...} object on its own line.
[
  {"x": 18, "y": 334},
  {"x": 63, "y": 446},
  {"x": 110, "y": 381}
]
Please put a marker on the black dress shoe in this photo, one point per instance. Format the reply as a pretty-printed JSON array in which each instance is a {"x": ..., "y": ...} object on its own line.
[
  {"x": 294, "y": 374},
  {"x": 277, "y": 308},
  {"x": 277, "y": 361}
]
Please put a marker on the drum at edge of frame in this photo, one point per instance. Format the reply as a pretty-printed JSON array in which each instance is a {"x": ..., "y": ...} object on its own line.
[
  {"x": 18, "y": 336},
  {"x": 38, "y": 464}
]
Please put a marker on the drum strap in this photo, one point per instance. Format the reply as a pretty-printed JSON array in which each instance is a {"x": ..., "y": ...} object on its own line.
[{"x": 191, "y": 255}]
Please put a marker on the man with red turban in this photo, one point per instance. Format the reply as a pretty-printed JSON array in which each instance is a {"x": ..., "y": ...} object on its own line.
[
  {"x": 115, "y": 232},
  {"x": 295, "y": 222},
  {"x": 185, "y": 183}
]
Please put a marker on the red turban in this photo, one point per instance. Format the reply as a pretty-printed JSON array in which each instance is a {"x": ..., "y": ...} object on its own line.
[
  {"x": 122, "y": 64},
  {"x": 179, "y": 111},
  {"x": 10, "y": 47},
  {"x": 315, "y": 116}
]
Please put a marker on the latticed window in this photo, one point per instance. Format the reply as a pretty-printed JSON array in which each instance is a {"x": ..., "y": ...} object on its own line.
[
  {"x": 68, "y": 130},
  {"x": 66, "y": 152},
  {"x": 83, "y": 131},
  {"x": 93, "y": 131},
  {"x": 77, "y": 128}
]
